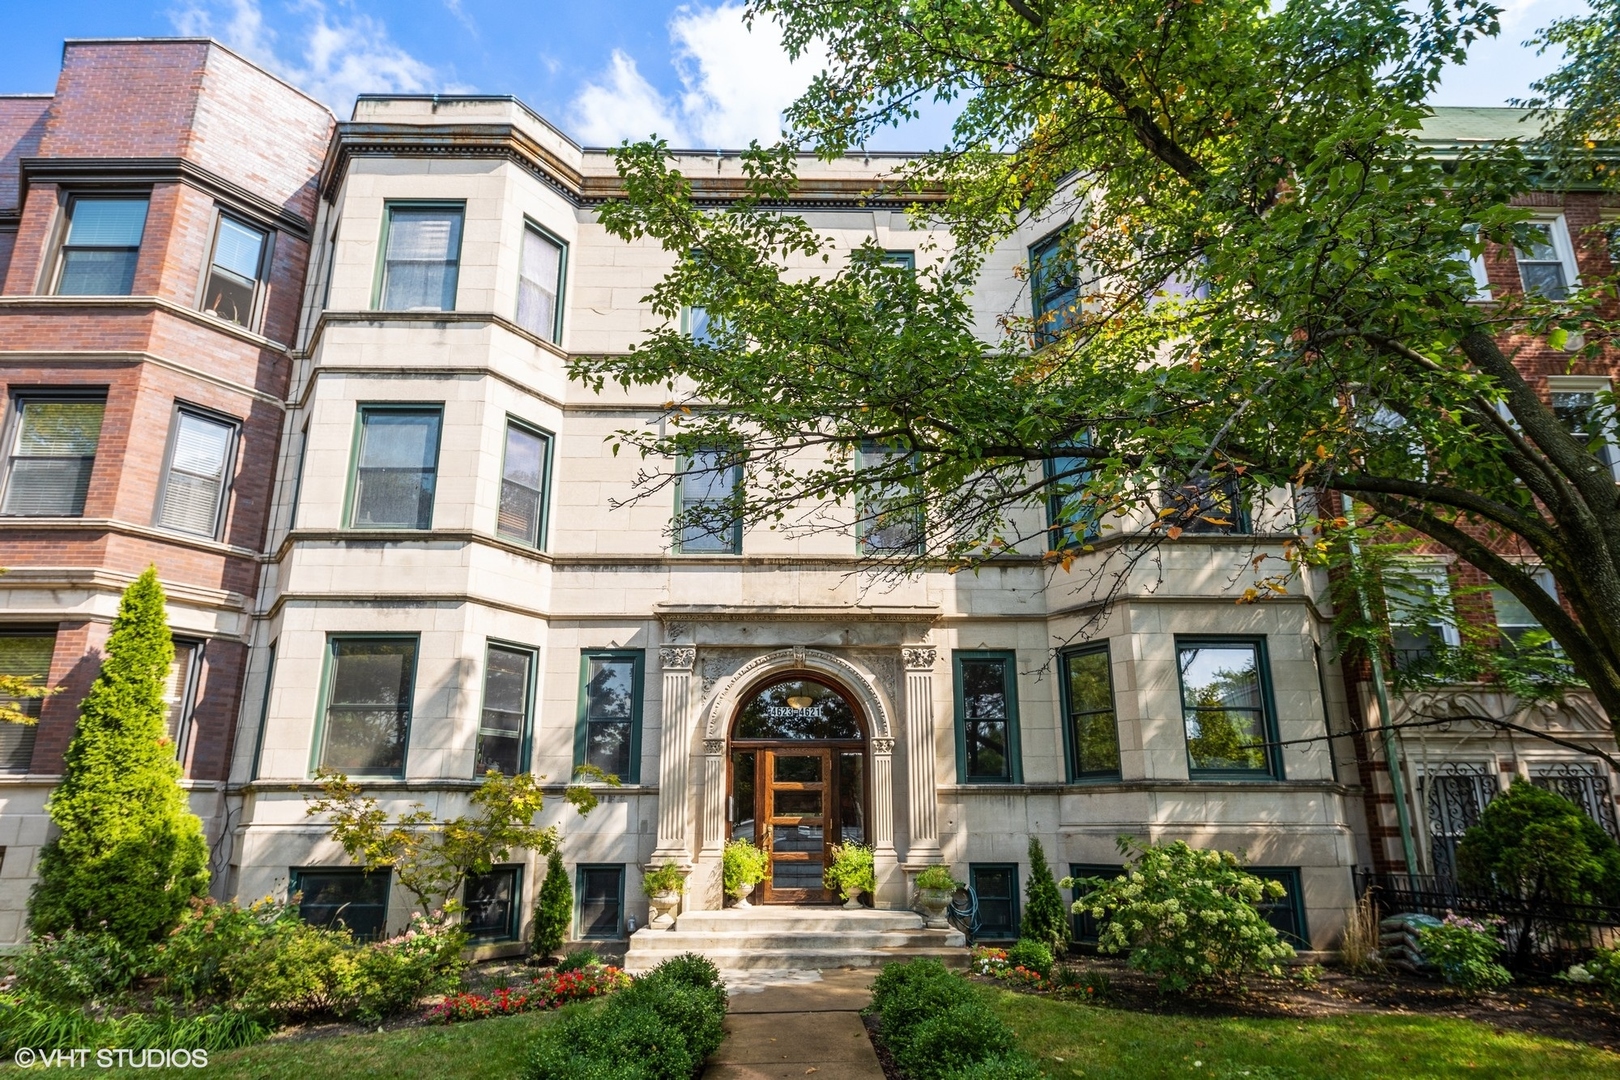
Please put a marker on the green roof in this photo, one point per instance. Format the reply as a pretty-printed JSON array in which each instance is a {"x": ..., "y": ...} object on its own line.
[{"x": 1454, "y": 125}]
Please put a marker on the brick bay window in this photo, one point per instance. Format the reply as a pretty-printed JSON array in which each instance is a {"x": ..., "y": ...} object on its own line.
[
  {"x": 197, "y": 476},
  {"x": 53, "y": 449},
  {"x": 101, "y": 247},
  {"x": 421, "y": 258},
  {"x": 396, "y": 467},
  {"x": 366, "y": 712},
  {"x": 1226, "y": 707},
  {"x": 608, "y": 735},
  {"x": 236, "y": 272}
]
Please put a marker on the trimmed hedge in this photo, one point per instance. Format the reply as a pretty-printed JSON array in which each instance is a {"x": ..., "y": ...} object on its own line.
[
  {"x": 938, "y": 1026},
  {"x": 661, "y": 1028}
]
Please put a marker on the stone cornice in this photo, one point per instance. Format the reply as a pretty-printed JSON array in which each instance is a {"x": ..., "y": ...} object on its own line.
[{"x": 142, "y": 303}]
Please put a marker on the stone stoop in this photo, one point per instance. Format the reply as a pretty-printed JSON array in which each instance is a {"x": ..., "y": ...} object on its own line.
[{"x": 796, "y": 939}]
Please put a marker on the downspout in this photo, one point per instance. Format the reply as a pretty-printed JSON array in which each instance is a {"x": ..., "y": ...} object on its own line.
[{"x": 1403, "y": 820}]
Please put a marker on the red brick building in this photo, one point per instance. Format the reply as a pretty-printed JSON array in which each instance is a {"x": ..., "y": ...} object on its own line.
[{"x": 156, "y": 217}]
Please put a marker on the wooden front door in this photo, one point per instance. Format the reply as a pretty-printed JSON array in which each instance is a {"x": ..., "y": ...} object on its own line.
[{"x": 796, "y": 788}]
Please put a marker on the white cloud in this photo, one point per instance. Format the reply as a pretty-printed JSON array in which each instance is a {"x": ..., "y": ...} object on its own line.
[
  {"x": 338, "y": 55},
  {"x": 735, "y": 82}
]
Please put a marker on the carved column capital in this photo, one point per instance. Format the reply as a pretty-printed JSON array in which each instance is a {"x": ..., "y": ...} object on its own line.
[
  {"x": 714, "y": 746},
  {"x": 882, "y": 746},
  {"x": 677, "y": 657},
  {"x": 919, "y": 657}
]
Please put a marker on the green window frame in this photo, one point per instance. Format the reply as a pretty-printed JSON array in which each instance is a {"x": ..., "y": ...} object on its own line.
[
  {"x": 1090, "y": 715},
  {"x": 353, "y": 896},
  {"x": 264, "y": 711},
  {"x": 608, "y": 733},
  {"x": 379, "y": 469},
  {"x": 504, "y": 731},
  {"x": 900, "y": 260},
  {"x": 1070, "y": 523},
  {"x": 26, "y": 652},
  {"x": 390, "y": 759},
  {"x": 1083, "y": 929},
  {"x": 976, "y": 673},
  {"x": 1207, "y": 505},
  {"x": 1054, "y": 287},
  {"x": 707, "y": 482},
  {"x": 996, "y": 887},
  {"x": 522, "y": 514},
  {"x": 1287, "y": 915},
  {"x": 424, "y": 271},
  {"x": 493, "y": 902},
  {"x": 599, "y": 901},
  {"x": 540, "y": 286},
  {"x": 879, "y": 530},
  {"x": 1218, "y": 748}
]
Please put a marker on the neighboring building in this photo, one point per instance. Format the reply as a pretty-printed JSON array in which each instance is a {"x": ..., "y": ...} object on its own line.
[{"x": 155, "y": 223}]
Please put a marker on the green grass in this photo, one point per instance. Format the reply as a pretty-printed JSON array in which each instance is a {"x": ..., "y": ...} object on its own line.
[
  {"x": 1072, "y": 1040},
  {"x": 478, "y": 1050}
]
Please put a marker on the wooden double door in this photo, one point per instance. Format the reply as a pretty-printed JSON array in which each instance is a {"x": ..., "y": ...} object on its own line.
[{"x": 797, "y": 802}]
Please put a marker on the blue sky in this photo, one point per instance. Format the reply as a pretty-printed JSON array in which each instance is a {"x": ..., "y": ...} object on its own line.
[{"x": 601, "y": 70}]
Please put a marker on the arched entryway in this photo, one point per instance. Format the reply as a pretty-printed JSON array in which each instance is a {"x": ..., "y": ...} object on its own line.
[{"x": 797, "y": 781}]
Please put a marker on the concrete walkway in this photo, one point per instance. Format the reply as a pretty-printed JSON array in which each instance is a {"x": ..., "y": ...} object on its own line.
[{"x": 796, "y": 1027}]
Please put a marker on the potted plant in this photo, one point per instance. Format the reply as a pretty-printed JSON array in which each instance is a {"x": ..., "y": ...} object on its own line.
[
  {"x": 742, "y": 867},
  {"x": 851, "y": 873},
  {"x": 663, "y": 887},
  {"x": 935, "y": 887}
]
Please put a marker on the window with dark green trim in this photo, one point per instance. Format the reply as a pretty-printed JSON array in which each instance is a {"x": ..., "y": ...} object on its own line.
[
  {"x": 540, "y": 283},
  {"x": 1226, "y": 707},
  {"x": 396, "y": 466},
  {"x": 1070, "y": 521},
  {"x": 421, "y": 257},
  {"x": 889, "y": 517},
  {"x": 366, "y": 714},
  {"x": 27, "y": 654},
  {"x": 996, "y": 886},
  {"x": 264, "y": 711},
  {"x": 355, "y": 898},
  {"x": 707, "y": 492},
  {"x": 1287, "y": 914},
  {"x": 900, "y": 260},
  {"x": 1054, "y": 287},
  {"x": 503, "y": 727},
  {"x": 492, "y": 902},
  {"x": 987, "y": 718},
  {"x": 525, "y": 477},
  {"x": 601, "y": 901},
  {"x": 1206, "y": 504},
  {"x": 609, "y": 731},
  {"x": 1082, "y": 927},
  {"x": 1091, "y": 730}
]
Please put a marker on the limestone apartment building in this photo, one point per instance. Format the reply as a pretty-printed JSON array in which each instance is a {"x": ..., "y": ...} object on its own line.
[{"x": 418, "y": 570}]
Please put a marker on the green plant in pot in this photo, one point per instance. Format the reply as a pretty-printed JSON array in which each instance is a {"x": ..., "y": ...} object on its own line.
[
  {"x": 742, "y": 867},
  {"x": 663, "y": 886},
  {"x": 935, "y": 887},
  {"x": 851, "y": 873}
]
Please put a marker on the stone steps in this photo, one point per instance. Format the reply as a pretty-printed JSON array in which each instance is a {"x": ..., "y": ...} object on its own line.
[{"x": 796, "y": 939}]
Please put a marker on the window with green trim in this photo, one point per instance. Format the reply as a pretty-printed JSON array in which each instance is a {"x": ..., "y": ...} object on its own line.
[
  {"x": 492, "y": 902},
  {"x": 1206, "y": 504},
  {"x": 1071, "y": 522},
  {"x": 1054, "y": 287},
  {"x": 1092, "y": 726},
  {"x": 264, "y": 710},
  {"x": 986, "y": 718},
  {"x": 525, "y": 472},
  {"x": 601, "y": 901},
  {"x": 708, "y": 488},
  {"x": 1286, "y": 914},
  {"x": 421, "y": 257},
  {"x": 609, "y": 731},
  {"x": 367, "y": 712},
  {"x": 996, "y": 886},
  {"x": 396, "y": 467},
  {"x": 1226, "y": 707},
  {"x": 355, "y": 898},
  {"x": 540, "y": 283},
  {"x": 503, "y": 727},
  {"x": 889, "y": 517},
  {"x": 1082, "y": 927}
]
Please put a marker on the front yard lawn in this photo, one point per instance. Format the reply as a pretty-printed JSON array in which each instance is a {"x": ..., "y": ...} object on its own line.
[{"x": 1074, "y": 1040}]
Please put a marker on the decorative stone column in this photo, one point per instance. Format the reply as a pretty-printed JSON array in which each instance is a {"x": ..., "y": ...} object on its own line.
[
  {"x": 921, "y": 795},
  {"x": 674, "y": 741}
]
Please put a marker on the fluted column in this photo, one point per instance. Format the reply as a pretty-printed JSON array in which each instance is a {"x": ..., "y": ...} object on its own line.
[
  {"x": 921, "y": 795},
  {"x": 674, "y": 742},
  {"x": 714, "y": 795}
]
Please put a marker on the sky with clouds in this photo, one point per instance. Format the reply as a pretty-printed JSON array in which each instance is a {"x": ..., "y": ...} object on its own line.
[{"x": 602, "y": 71}]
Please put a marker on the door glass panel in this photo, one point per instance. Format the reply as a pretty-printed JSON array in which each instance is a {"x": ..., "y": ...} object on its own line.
[
  {"x": 742, "y": 795},
  {"x": 798, "y": 770},
  {"x": 851, "y": 813},
  {"x": 798, "y": 804},
  {"x": 796, "y": 838},
  {"x": 797, "y": 875},
  {"x": 798, "y": 709}
]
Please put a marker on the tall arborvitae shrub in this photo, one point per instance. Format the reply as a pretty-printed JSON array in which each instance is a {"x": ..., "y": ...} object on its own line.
[
  {"x": 1046, "y": 917},
  {"x": 130, "y": 853},
  {"x": 553, "y": 909}
]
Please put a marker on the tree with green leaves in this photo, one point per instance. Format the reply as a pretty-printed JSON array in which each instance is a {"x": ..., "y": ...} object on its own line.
[
  {"x": 553, "y": 908},
  {"x": 1046, "y": 916},
  {"x": 1267, "y": 235},
  {"x": 1539, "y": 848},
  {"x": 130, "y": 854}
]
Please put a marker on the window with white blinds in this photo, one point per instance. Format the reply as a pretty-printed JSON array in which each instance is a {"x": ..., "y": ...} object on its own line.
[
  {"x": 180, "y": 691},
  {"x": 53, "y": 450},
  {"x": 422, "y": 260},
  {"x": 102, "y": 246},
  {"x": 28, "y": 656},
  {"x": 540, "y": 284},
  {"x": 198, "y": 474}
]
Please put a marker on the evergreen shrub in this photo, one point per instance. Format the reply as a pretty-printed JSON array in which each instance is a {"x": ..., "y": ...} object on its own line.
[
  {"x": 1046, "y": 916},
  {"x": 553, "y": 908}
]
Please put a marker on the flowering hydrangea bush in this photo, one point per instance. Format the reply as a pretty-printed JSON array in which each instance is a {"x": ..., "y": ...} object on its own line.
[
  {"x": 548, "y": 990},
  {"x": 1465, "y": 951},
  {"x": 1601, "y": 973}
]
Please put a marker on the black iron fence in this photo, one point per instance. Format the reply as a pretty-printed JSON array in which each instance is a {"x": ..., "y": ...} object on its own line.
[{"x": 1539, "y": 933}]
